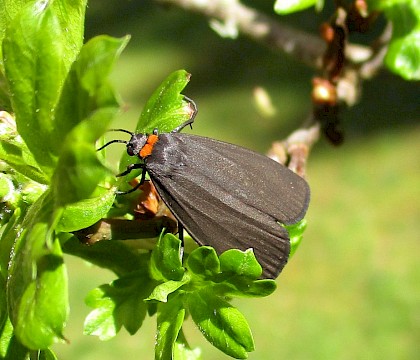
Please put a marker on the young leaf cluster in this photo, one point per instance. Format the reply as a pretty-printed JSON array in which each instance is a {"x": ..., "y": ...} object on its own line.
[
  {"x": 59, "y": 102},
  {"x": 201, "y": 289}
]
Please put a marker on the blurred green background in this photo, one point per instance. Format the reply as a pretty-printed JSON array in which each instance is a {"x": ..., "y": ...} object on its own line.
[{"x": 352, "y": 290}]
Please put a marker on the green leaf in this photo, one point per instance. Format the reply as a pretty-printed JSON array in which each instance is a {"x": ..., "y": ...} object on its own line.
[
  {"x": 37, "y": 282},
  {"x": 47, "y": 355},
  {"x": 296, "y": 235},
  {"x": 5, "y": 103},
  {"x": 40, "y": 314},
  {"x": 117, "y": 304},
  {"x": 86, "y": 108},
  {"x": 182, "y": 351},
  {"x": 22, "y": 193},
  {"x": 166, "y": 109},
  {"x": 3, "y": 301},
  {"x": 101, "y": 321},
  {"x": 113, "y": 255},
  {"x": 87, "y": 87},
  {"x": 285, "y": 7},
  {"x": 71, "y": 15},
  {"x": 240, "y": 263},
  {"x": 9, "y": 233},
  {"x": 242, "y": 287},
  {"x": 403, "y": 56},
  {"x": 162, "y": 291},
  {"x": 79, "y": 170},
  {"x": 222, "y": 324},
  {"x": 37, "y": 55},
  {"x": 15, "y": 153},
  {"x": 166, "y": 261},
  {"x": 10, "y": 347},
  {"x": 84, "y": 213},
  {"x": 169, "y": 322},
  {"x": 6, "y": 187},
  {"x": 203, "y": 261}
]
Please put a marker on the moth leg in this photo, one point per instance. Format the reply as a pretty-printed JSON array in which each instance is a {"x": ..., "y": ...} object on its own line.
[
  {"x": 130, "y": 168},
  {"x": 192, "y": 117},
  {"x": 181, "y": 237}
]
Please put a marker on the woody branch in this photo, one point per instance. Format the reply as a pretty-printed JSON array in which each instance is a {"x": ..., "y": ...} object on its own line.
[{"x": 268, "y": 31}]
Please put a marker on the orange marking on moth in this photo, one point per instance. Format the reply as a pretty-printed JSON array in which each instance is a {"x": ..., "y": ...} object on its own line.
[{"x": 148, "y": 147}]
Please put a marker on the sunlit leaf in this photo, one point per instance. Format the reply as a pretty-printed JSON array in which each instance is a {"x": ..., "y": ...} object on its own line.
[
  {"x": 221, "y": 323},
  {"x": 38, "y": 48},
  {"x": 37, "y": 283},
  {"x": 169, "y": 321},
  {"x": 118, "y": 304},
  {"x": 166, "y": 262}
]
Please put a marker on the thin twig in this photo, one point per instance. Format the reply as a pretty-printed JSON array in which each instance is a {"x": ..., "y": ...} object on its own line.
[
  {"x": 122, "y": 229},
  {"x": 266, "y": 30},
  {"x": 269, "y": 31},
  {"x": 294, "y": 150},
  {"x": 379, "y": 49}
]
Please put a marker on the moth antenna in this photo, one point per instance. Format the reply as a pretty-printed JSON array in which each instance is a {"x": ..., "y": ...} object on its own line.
[
  {"x": 122, "y": 130},
  {"x": 111, "y": 142},
  {"x": 116, "y": 141}
]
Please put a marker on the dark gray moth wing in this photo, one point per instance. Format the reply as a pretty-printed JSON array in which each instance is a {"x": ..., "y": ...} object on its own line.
[{"x": 229, "y": 197}]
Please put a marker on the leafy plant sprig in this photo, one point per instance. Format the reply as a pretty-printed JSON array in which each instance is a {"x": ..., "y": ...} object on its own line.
[
  {"x": 58, "y": 91},
  {"x": 53, "y": 184}
]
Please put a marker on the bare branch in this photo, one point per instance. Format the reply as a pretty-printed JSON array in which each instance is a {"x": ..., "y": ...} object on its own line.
[
  {"x": 122, "y": 229},
  {"x": 301, "y": 45},
  {"x": 375, "y": 62},
  {"x": 294, "y": 150}
]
